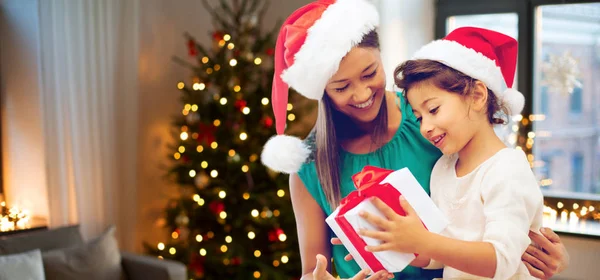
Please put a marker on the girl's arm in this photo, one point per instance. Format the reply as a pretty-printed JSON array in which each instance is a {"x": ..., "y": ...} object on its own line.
[
  {"x": 478, "y": 258},
  {"x": 310, "y": 223}
]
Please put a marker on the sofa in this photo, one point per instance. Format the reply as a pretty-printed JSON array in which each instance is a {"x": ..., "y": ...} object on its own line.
[{"x": 65, "y": 246}]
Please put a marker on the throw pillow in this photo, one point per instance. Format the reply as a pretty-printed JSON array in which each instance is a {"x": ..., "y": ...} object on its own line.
[
  {"x": 99, "y": 259},
  {"x": 23, "y": 266}
]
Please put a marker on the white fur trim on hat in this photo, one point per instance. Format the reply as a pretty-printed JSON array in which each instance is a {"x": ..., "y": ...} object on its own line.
[
  {"x": 284, "y": 153},
  {"x": 514, "y": 100},
  {"x": 341, "y": 27}
]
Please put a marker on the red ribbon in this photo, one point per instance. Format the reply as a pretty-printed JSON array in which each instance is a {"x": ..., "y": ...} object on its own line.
[{"x": 368, "y": 185}]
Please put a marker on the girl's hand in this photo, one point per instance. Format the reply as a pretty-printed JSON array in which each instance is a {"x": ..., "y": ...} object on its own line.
[
  {"x": 548, "y": 261},
  {"x": 321, "y": 273},
  {"x": 399, "y": 233}
]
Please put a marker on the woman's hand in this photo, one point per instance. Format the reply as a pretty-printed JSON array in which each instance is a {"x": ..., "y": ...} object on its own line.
[
  {"x": 321, "y": 273},
  {"x": 549, "y": 260},
  {"x": 398, "y": 233}
]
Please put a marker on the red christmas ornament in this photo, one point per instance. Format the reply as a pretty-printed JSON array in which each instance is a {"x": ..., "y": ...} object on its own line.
[
  {"x": 240, "y": 104},
  {"x": 268, "y": 122},
  {"x": 236, "y": 261},
  {"x": 197, "y": 265},
  {"x": 192, "y": 48},
  {"x": 279, "y": 232},
  {"x": 270, "y": 51},
  {"x": 218, "y": 35},
  {"x": 206, "y": 133},
  {"x": 185, "y": 159},
  {"x": 272, "y": 236},
  {"x": 216, "y": 207}
]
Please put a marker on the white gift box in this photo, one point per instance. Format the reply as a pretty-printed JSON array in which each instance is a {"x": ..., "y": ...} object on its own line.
[{"x": 407, "y": 185}]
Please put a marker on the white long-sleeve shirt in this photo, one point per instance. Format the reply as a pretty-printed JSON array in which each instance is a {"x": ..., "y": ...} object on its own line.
[{"x": 498, "y": 202}]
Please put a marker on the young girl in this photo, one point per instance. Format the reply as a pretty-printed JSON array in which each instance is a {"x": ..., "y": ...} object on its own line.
[{"x": 487, "y": 190}]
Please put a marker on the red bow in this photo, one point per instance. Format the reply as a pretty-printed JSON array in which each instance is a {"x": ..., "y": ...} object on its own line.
[{"x": 368, "y": 184}]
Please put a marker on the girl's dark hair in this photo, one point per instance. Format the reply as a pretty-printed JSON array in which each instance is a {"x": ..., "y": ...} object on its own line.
[
  {"x": 412, "y": 72},
  {"x": 332, "y": 127}
]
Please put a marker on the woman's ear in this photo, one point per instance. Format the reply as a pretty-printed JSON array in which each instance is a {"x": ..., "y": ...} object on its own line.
[{"x": 479, "y": 96}]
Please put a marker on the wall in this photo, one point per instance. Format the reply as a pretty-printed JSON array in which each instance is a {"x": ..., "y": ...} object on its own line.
[{"x": 23, "y": 158}]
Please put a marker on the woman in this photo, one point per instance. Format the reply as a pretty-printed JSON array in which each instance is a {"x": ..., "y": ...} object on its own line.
[{"x": 329, "y": 51}]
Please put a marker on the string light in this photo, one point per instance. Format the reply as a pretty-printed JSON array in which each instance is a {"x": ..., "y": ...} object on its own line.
[
  {"x": 575, "y": 206},
  {"x": 214, "y": 145},
  {"x": 226, "y": 37},
  {"x": 209, "y": 71},
  {"x": 246, "y": 110},
  {"x": 233, "y": 62},
  {"x": 284, "y": 259},
  {"x": 290, "y": 106},
  {"x": 199, "y": 86},
  {"x": 231, "y": 153},
  {"x": 282, "y": 237},
  {"x": 161, "y": 246},
  {"x": 230, "y": 46},
  {"x": 222, "y": 194},
  {"x": 180, "y": 85},
  {"x": 196, "y": 197},
  {"x": 216, "y": 123},
  {"x": 254, "y": 213},
  {"x": 251, "y": 235},
  {"x": 228, "y": 239},
  {"x": 205, "y": 59},
  {"x": 217, "y": 67},
  {"x": 280, "y": 193},
  {"x": 199, "y": 238},
  {"x": 214, "y": 173},
  {"x": 202, "y": 252},
  {"x": 246, "y": 196},
  {"x": 245, "y": 168},
  {"x": 187, "y": 107},
  {"x": 276, "y": 213},
  {"x": 257, "y": 274},
  {"x": 199, "y": 148},
  {"x": 221, "y": 43},
  {"x": 177, "y": 156},
  {"x": 172, "y": 251},
  {"x": 223, "y": 215},
  {"x": 194, "y": 107},
  {"x": 265, "y": 101},
  {"x": 204, "y": 164},
  {"x": 560, "y": 205},
  {"x": 257, "y": 253},
  {"x": 243, "y": 136},
  {"x": 201, "y": 202},
  {"x": 175, "y": 235},
  {"x": 181, "y": 149},
  {"x": 237, "y": 88},
  {"x": 253, "y": 158},
  {"x": 223, "y": 248},
  {"x": 192, "y": 173},
  {"x": 291, "y": 117},
  {"x": 257, "y": 61},
  {"x": 184, "y": 136},
  {"x": 223, "y": 101},
  {"x": 275, "y": 263}
]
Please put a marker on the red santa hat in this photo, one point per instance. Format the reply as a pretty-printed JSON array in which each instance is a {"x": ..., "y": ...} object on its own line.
[
  {"x": 310, "y": 46},
  {"x": 483, "y": 54}
]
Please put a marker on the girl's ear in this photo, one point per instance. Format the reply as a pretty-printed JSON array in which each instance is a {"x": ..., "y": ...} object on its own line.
[{"x": 479, "y": 96}]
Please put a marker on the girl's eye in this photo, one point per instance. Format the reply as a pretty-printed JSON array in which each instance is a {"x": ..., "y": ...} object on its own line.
[
  {"x": 371, "y": 75},
  {"x": 342, "y": 89},
  {"x": 434, "y": 110},
  {"x": 419, "y": 119}
]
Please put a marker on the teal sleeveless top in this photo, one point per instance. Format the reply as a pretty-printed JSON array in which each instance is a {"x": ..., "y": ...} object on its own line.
[{"x": 407, "y": 148}]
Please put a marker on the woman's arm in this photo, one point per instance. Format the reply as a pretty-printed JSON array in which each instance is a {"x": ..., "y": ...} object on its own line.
[{"x": 310, "y": 223}]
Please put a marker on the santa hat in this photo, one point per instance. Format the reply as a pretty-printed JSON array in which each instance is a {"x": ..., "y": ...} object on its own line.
[
  {"x": 310, "y": 46},
  {"x": 485, "y": 55}
]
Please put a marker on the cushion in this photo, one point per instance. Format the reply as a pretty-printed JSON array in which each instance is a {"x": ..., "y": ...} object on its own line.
[
  {"x": 44, "y": 240},
  {"x": 22, "y": 266},
  {"x": 99, "y": 259}
]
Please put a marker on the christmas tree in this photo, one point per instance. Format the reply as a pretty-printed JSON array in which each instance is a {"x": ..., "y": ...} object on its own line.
[{"x": 233, "y": 219}]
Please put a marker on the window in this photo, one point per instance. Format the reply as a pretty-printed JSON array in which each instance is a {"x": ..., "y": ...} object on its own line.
[
  {"x": 577, "y": 172},
  {"x": 557, "y": 70},
  {"x": 576, "y": 100}
]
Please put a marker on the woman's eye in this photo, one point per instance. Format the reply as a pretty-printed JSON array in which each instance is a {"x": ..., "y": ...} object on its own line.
[
  {"x": 342, "y": 88},
  {"x": 419, "y": 119},
  {"x": 434, "y": 110},
  {"x": 371, "y": 75}
]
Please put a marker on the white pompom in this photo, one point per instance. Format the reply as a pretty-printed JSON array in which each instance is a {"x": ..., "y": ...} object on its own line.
[
  {"x": 284, "y": 153},
  {"x": 514, "y": 101}
]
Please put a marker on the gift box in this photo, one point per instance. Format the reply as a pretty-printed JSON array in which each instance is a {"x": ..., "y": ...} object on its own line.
[{"x": 388, "y": 186}]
